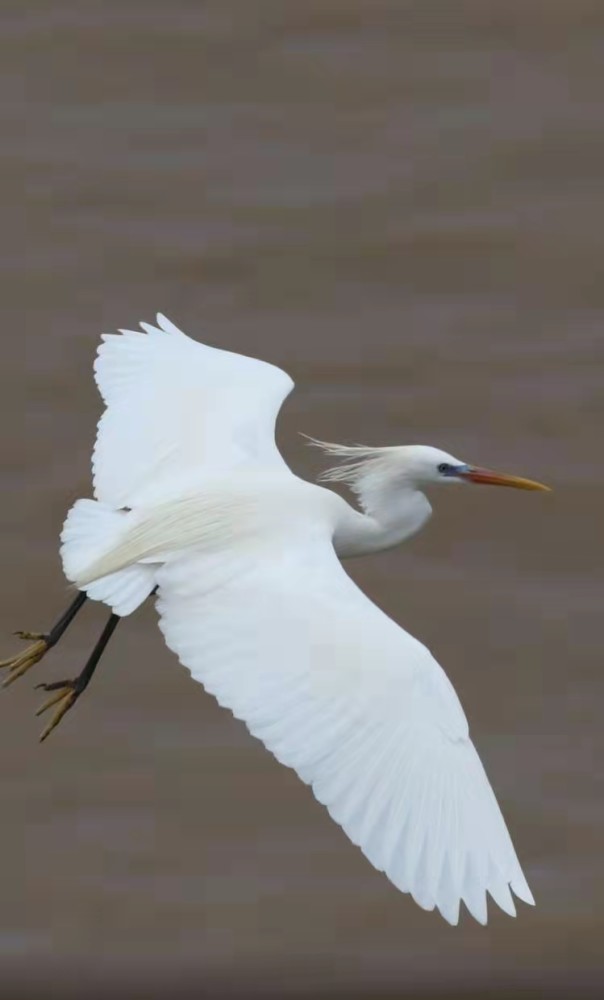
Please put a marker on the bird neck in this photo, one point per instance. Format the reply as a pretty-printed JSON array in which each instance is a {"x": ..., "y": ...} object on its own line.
[{"x": 390, "y": 516}]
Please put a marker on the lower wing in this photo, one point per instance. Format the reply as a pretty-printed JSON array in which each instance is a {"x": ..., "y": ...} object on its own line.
[{"x": 358, "y": 707}]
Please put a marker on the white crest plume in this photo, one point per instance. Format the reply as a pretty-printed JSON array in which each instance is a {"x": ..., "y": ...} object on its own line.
[{"x": 362, "y": 468}]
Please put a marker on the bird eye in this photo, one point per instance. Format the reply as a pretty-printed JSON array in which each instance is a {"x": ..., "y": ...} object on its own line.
[{"x": 444, "y": 467}]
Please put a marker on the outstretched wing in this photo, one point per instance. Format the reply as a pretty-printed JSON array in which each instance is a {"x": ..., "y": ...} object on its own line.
[
  {"x": 178, "y": 410},
  {"x": 360, "y": 709}
]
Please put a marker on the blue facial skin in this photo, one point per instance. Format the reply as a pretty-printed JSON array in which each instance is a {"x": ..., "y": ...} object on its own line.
[{"x": 453, "y": 470}]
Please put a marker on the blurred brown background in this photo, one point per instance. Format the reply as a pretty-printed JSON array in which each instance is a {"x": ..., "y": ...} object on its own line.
[{"x": 396, "y": 202}]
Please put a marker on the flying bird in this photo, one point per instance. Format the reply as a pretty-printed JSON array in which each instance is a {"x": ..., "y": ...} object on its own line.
[{"x": 195, "y": 505}]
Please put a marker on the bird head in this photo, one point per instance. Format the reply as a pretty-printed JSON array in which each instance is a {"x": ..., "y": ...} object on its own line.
[{"x": 425, "y": 466}]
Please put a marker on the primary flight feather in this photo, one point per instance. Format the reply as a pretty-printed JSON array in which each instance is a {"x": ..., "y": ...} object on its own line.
[{"x": 195, "y": 503}]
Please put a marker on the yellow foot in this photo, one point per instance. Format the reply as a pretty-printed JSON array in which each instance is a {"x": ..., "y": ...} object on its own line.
[
  {"x": 20, "y": 664},
  {"x": 66, "y": 693}
]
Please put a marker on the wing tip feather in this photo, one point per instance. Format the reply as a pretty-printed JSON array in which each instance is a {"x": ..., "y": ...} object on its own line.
[
  {"x": 520, "y": 888},
  {"x": 167, "y": 325}
]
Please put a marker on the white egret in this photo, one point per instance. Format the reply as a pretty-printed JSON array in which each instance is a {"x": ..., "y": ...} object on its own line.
[{"x": 195, "y": 503}]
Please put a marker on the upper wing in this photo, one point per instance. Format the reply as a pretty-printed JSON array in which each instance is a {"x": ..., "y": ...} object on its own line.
[
  {"x": 355, "y": 705},
  {"x": 176, "y": 410}
]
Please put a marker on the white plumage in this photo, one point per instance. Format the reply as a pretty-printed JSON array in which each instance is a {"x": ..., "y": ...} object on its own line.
[
  {"x": 176, "y": 409},
  {"x": 254, "y": 601}
]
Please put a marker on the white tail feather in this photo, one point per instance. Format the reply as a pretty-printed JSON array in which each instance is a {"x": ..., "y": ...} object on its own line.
[{"x": 91, "y": 530}]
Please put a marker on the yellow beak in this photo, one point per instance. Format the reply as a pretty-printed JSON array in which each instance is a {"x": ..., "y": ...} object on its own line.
[{"x": 490, "y": 478}]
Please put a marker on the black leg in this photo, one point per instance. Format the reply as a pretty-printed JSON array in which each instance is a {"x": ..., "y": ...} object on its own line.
[
  {"x": 60, "y": 627},
  {"x": 43, "y": 641},
  {"x": 67, "y": 692}
]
